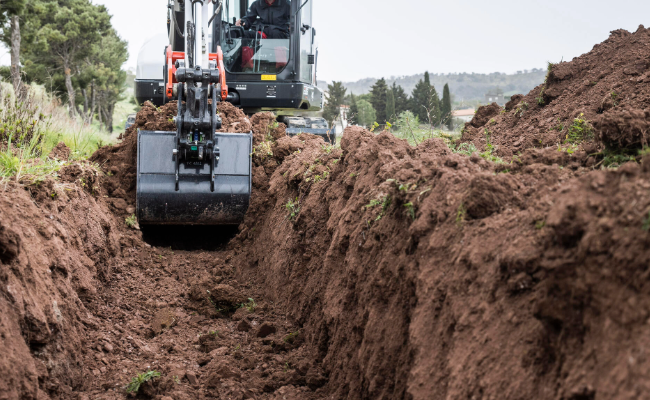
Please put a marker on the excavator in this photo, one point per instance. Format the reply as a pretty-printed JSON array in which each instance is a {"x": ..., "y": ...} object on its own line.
[{"x": 196, "y": 175}]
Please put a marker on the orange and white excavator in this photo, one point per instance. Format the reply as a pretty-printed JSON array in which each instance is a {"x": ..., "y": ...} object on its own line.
[
  {"x": 194, "y": 175},
  {"x": 197, "y": 175}
]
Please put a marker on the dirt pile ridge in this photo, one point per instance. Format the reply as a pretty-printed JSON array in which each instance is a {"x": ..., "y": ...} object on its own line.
[
  {"x": 609, "y": 88},
  {"x": 419, "y": 273}
]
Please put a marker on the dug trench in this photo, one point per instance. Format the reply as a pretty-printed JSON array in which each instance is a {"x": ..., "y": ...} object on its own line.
[{"x": 375, "y": 271}]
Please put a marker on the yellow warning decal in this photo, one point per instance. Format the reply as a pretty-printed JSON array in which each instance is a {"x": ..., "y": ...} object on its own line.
[{"x": 269, "y": 78}]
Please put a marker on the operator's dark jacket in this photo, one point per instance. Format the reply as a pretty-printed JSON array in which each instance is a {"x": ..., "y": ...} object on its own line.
[{"x": 277, "y": 15}]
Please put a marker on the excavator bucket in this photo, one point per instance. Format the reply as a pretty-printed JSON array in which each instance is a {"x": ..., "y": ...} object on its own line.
[{"x": 192, "y": 198}]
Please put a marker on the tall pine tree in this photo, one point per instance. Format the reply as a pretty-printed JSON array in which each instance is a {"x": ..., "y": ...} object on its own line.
[
  {"x": 378, "y": 99},
  {"x": 353, "y": 117},
  {"x": 334, "y": 98},
  {"x": 425, "y": 102},
  {"x": 445, "y": 108},
  {"x": 390, "y": 106},
  {"x": 401, "y": 99}
]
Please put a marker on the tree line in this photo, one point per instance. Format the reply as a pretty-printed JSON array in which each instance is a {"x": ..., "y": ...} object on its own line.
[
  {"x": 384, "y": 104},
  {"x": 71, "y": 48}
]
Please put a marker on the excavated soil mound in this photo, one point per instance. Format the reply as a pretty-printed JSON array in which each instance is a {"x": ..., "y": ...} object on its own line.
[
  {"x": 378, "y": 270},
  {"x": 607, "y": 87},
  {"x": 374, "y": 271}
]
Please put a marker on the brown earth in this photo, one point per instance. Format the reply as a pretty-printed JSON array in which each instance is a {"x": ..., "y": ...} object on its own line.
[
  {"x": 374, "y": 271},
  {"x": 609, "y": 87}
]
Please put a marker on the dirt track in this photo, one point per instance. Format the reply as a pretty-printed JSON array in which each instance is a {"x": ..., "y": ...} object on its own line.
[{"x": 412, "y": 273}]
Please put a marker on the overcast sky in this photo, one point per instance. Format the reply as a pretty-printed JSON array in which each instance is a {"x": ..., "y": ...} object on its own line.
[{"x": 374, "y": 38}]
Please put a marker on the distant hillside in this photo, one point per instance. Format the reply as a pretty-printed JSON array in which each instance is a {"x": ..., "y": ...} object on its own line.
[{"x": 463, "y": 86}]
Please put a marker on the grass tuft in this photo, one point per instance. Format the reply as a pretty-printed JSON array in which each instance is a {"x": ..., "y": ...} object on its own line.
[{"x": 139, "y": 379}]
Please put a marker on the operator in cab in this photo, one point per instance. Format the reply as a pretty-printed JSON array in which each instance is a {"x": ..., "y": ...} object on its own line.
[{"x": 274, "y": 15}]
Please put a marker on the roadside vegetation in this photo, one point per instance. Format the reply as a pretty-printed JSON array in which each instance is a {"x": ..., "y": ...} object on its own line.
[
  {"x": 30, "y": 128},
  {"x": 65, "y": 84}
]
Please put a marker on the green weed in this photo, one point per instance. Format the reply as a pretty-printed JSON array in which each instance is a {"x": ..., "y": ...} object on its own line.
[
  {"x": 385, "y": 202},
  {"x": 489, "y": 150},
  {"x": 464, "y": 148},
  {"x": 461, "y": 214},
  {"x": 294, "y": 209},
  {"x": 290, "y": 337},
  {"x": 263, "y": 150},
  {"x": 327, "y": 148},
  {"x": 615, "y": 158},
  {"x": 540, "y": 225},
  {"x": 250, "y": 306},
  {"x": 579, "y": 131},
  {"x": 131, "y": 221},
  {"x": 540, "y": 98},
  {"x": 521, "y": 109},
  {"x": 410, "y": 208},
  {"x": 139, "y": 379}
]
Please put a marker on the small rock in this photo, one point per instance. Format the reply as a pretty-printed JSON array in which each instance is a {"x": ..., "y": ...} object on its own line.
[
  {"x": 204, "y": 360},
  {"x": 163, "y": 319},
  {"x": 103, "y": 370},
  {"x": 120, "y": 204},
  {"x": 191, "y": 378},
  {"x": 243, "y": 325},
  {"x": 221, "y": 351},
  {"x": 265, "y": 330},
  {"x": 108, "y": 348},
  {"x": 166, "y": 398},
  {"x": 96, "y": 372},
  {"x": 130, "y": 210},
  {"x": 239, "y": 314}
]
